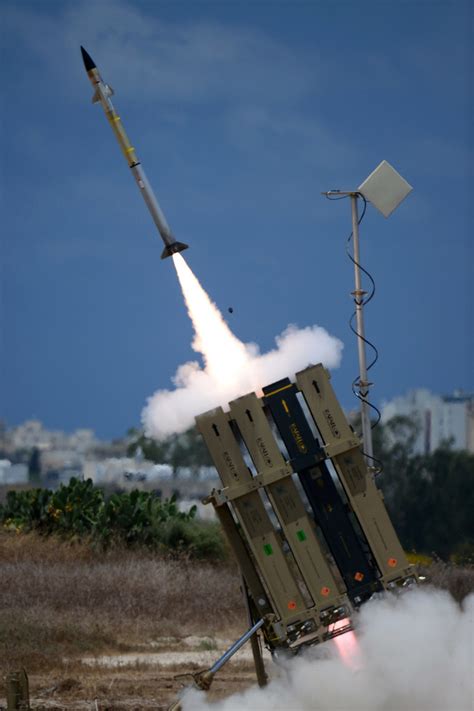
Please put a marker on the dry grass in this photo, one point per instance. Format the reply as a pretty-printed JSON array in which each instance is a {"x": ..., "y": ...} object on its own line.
[
  {"x": 59, "y": 600},
  {"x": 63, "y": 600},
  {"x": 459, "y": 581},
  {"x": 122, "y": 690}
]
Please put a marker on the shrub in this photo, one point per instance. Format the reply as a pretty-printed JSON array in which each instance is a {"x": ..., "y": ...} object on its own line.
[{"x": 139, "y": 518}]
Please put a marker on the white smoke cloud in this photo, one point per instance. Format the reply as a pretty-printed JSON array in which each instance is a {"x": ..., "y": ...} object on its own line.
[
  {"x": 416, "y": 654},
  {"x": 198, "y": 389},
  {"x": 231, "y": 368}
]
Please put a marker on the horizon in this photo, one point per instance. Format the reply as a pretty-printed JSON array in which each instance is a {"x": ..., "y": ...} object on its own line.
[{"x": 241, "y": 117}]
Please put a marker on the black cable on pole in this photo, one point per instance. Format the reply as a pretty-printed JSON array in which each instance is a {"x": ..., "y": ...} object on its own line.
[{"x": 363, "y": 302}]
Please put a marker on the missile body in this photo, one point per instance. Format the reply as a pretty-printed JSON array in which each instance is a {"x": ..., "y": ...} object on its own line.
[{"x": 102, "y": 94}]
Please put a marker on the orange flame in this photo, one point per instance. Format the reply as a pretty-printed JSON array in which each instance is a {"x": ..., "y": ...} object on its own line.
[{"x": 347, "y": 646}]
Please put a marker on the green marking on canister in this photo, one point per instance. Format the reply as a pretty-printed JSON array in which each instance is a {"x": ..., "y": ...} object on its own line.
[
  {"x": 268, "y": 550},
  {"x": 301, "y": 535}
]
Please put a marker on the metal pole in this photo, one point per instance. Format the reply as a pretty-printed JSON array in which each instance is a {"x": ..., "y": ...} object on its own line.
[
  {"x": 358, "y": 295},
  {"x": 235, "y": 647}
]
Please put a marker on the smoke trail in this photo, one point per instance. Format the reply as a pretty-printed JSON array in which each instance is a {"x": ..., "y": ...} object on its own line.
[
  {"x": 416, "y": 654},
  {"x": 230, "y": 368}
]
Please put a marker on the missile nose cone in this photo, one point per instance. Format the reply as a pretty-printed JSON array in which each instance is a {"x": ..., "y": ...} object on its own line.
[{"x": 87, "y": 59}]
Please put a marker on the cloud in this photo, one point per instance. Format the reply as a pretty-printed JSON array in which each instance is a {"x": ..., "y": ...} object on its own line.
[
  {"x": 200, "y": 389},
  {"x": 170, "y": 61}
]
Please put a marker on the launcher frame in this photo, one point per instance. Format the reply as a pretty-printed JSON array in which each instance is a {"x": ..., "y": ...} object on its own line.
[{"x": 301, "y": 512}]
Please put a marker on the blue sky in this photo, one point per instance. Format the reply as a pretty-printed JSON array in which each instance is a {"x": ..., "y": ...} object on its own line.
[{"x": 242, "y": 113}]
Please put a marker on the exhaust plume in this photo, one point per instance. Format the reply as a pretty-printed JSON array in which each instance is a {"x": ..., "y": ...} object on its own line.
[
  {"x": 415, "y": 654},
  {"x": 229, "y": 367}
]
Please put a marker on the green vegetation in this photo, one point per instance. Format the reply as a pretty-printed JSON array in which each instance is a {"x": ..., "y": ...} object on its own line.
[
  {"x": 183, "y": 450},
  {"x": 139, "y": 518},
  {"x": 430, "y": 498}
]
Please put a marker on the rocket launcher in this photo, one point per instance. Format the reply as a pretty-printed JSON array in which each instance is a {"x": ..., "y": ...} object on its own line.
[
  {"x": 302, "y": 514},
  {"x": 300, "y": 509}
]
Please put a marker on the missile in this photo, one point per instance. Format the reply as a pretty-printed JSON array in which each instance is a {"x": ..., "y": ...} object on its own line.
[{"x": 102, "y": 94}]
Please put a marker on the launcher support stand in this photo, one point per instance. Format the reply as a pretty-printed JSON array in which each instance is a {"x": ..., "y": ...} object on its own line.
[
  {"x": 204, "y": 679},
  {"x": 262, "y": 678}
]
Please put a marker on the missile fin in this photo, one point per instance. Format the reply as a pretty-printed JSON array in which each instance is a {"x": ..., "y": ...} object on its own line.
[{"x": 173, "y": 248}]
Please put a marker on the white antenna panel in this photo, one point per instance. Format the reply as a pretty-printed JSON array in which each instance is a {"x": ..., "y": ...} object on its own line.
[{"x": 385, "y": 188}]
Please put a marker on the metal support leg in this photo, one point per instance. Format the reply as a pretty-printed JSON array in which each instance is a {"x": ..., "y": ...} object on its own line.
[
  {"x": 262, "y": 678},
  {"x": 204, "y": 679}
]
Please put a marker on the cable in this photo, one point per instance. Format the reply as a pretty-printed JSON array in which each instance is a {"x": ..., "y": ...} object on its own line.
[
  {"x": 363, "y": 302},
  {"x": 356, "y": 384},
  {"x": 378, "y": 469},
  {"x": 335, "y": 197}
]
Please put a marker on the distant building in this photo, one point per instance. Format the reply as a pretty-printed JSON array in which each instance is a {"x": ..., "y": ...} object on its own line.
[
  {"x": 82, "y": 440},
  {"x": 125, "y": 471},
  {"x": 59, "y": 465},
  {"x": 32, "y": 434},
  {"x": 13, "y": 473},
  {"x": 440, "y": 418}
]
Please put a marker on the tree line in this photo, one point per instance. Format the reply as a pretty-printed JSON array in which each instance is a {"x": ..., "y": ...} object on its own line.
[{"x": 430, "y": 497}]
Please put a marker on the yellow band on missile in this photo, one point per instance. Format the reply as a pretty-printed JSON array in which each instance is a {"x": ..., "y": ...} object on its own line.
[
  {"x": 129, "y": 150},
  {"x": 116, "y": 118},
  {"x": 274, "y": 392}
]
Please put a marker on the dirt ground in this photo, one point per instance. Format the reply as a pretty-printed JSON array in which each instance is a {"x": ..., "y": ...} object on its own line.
[
  {"x": 120, "y": 630},
  {"x": 150, "y": 678},
  {"x": 130, "y": 687},
  {"x": 113, "y": 631}
]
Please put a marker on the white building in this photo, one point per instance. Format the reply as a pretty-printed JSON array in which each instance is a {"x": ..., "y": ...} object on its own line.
[
  {"x": 32, "y": 433},
  {"x": 126, "y": 471},
  {"x": 440, "y": 419},
  {"x": 13, "y": 473}
]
